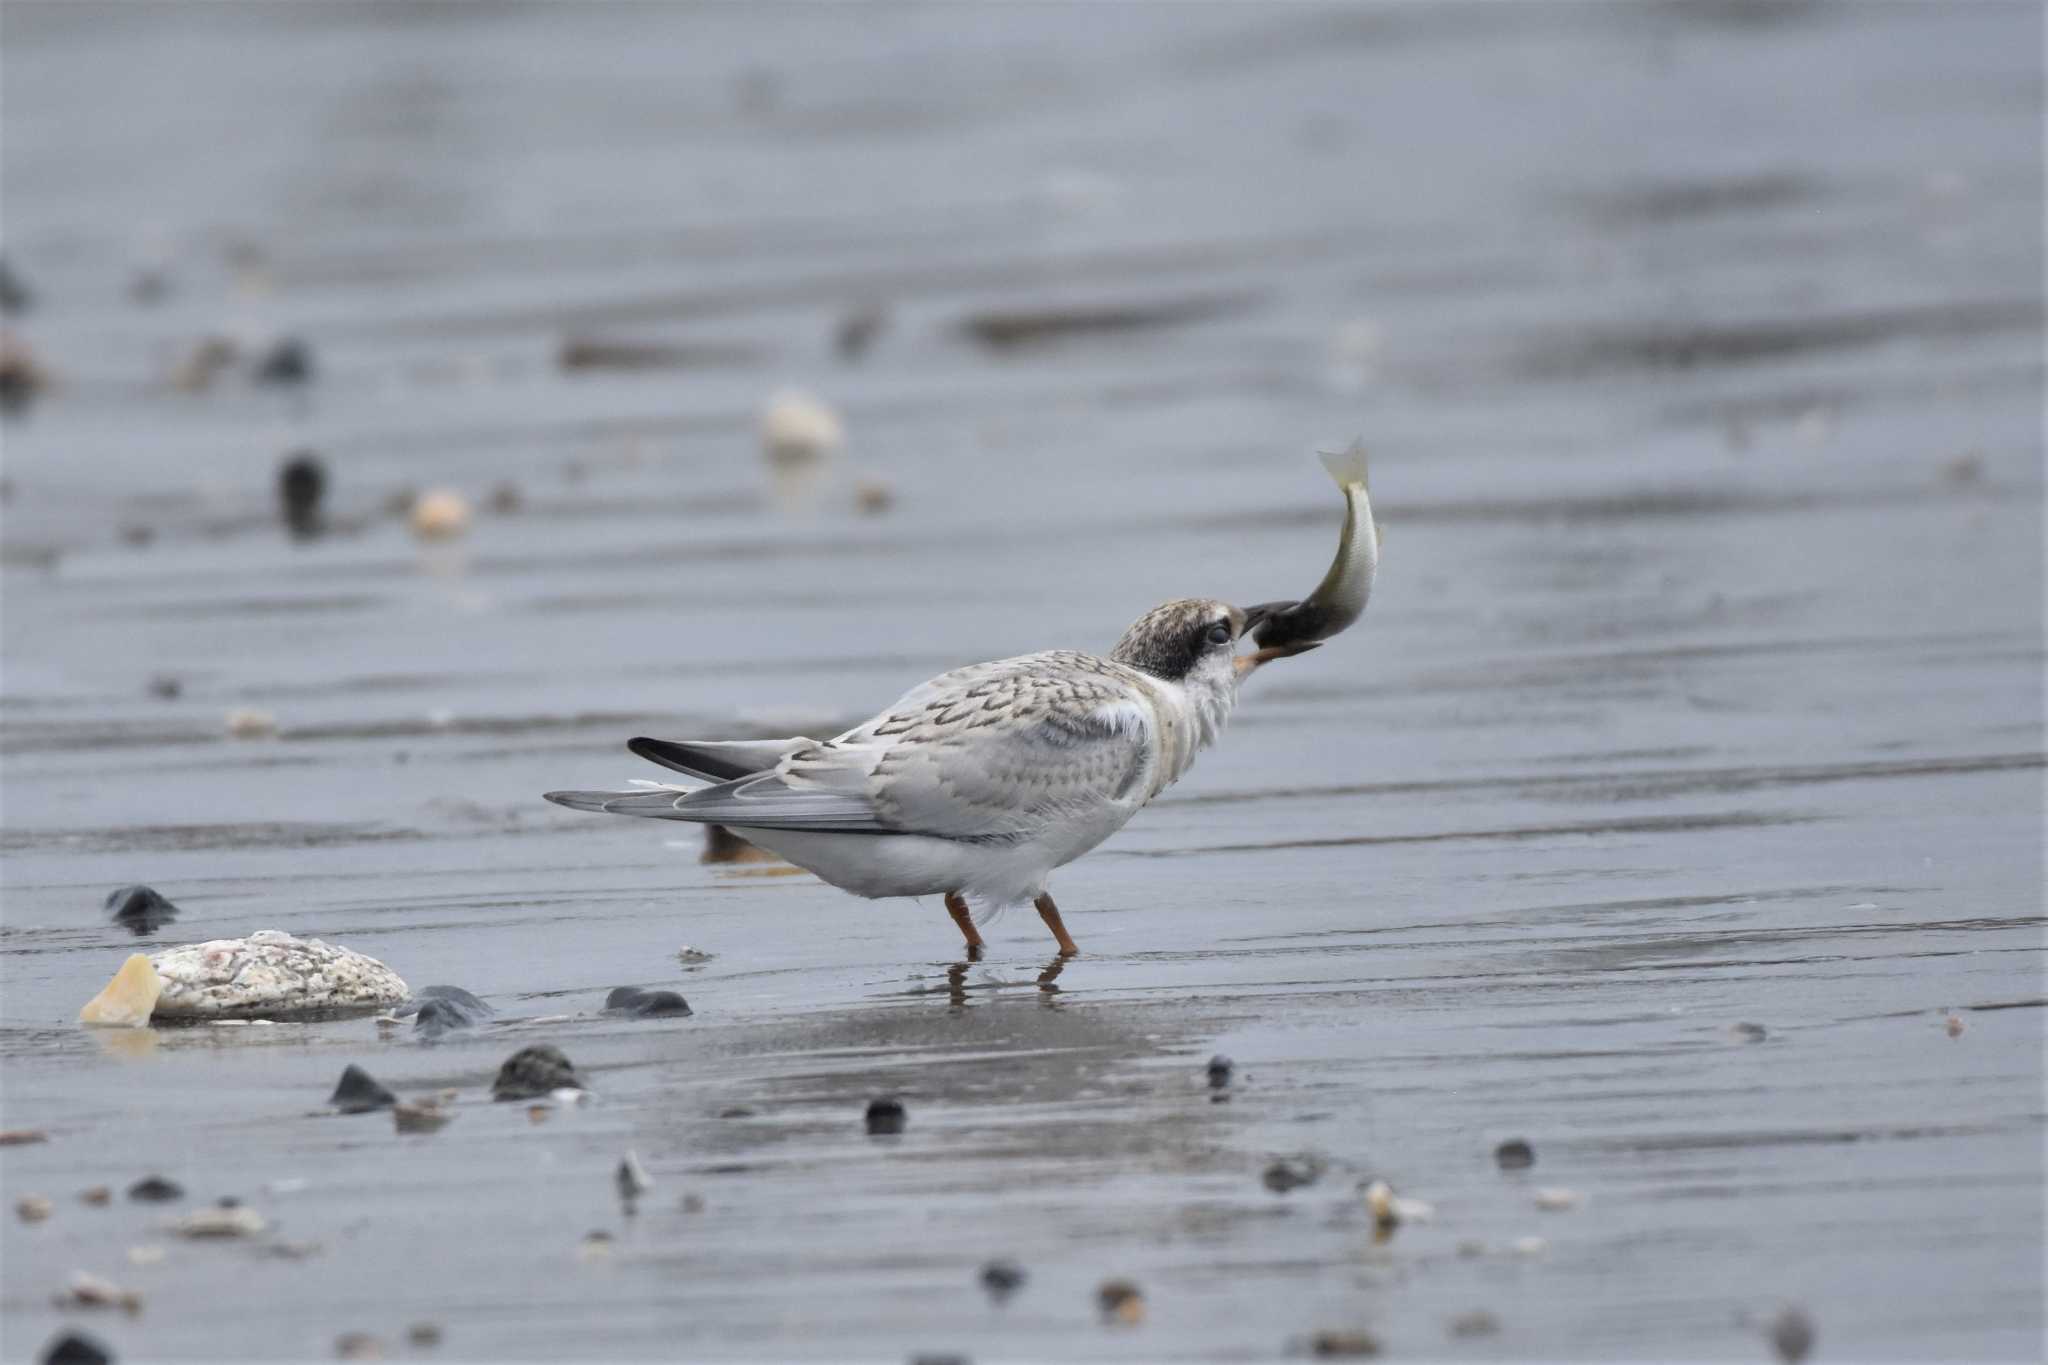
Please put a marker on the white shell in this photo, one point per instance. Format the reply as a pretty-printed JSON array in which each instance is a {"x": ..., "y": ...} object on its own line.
[{"x": 273, "y": 974}]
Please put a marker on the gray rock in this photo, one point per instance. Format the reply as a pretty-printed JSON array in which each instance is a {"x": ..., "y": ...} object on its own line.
[
  {"x": 139, "y": 910},
  {"x": 535, "y": 1072},
  {"x": 358, "y": 1093},
  {"x": 270, "y": 974}
]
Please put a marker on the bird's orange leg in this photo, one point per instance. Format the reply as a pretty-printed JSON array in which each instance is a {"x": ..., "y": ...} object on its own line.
[
  {"x": 956, "y": 906},
  {"x": 1050, "y": 913}
]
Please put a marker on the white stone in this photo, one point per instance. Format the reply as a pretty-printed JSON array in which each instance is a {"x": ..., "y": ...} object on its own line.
[{"x": 271, "y": 973}]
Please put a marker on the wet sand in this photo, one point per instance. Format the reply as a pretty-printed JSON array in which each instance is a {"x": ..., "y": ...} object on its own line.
[{"x": 1700, "y": 353}]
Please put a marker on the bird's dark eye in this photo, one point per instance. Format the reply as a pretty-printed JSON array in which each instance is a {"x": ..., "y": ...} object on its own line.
[{"x": 1219, "y": 634}]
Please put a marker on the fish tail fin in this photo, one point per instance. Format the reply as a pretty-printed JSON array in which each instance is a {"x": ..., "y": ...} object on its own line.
[{"x": 1348, "y": 466}]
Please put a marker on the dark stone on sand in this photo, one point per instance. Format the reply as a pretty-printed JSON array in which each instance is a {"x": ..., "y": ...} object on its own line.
[
  {"x": 1291, "y": 1173},
  {"x": 1343, "y": 1345},
  {"x": 1002, "y": 1279},
  {"x": 76, "y": 1348},
  {"x": 1750, "y": 1033},
  {"x": 646, "y": 1004},
  {"x": 301, "y": 487},
  {"x": 737, "y": 1111},
  {"x": 288, "y": 361},
  {"x": 358, "y": 1093},
  {"x": 1219, "y": 1071},
  {"x": 15, "y": 295},
  {"x": 154, "y": 1189},
  {"x": 535, "y": 1071},
  {"x": 140, "y": 910},
  {"x": 436, "y": 1010},
  {"x": 424, "y": 1334},
  {"x": 166, "y": 687},
  {"x": 1515, "y": 1155},
  {"x": 1792, "y": 1335},
  {"x": 857, "y": 330},
  {"x": 886, "y": 1115}
]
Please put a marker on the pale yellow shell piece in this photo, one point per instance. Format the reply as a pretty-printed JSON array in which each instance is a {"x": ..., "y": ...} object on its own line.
[{"x": 129, "y": 998}]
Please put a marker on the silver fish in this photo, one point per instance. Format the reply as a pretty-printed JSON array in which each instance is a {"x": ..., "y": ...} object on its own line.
[{"x": 1340, "y": 598}]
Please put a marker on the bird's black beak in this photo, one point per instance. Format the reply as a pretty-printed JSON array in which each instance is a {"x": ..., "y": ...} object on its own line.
[{"x": 1254, "y": 615}]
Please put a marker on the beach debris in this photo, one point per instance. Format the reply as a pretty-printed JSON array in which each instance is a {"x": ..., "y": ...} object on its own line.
[
  {"x": 1749, "y": 1033},
  {"x": 273, "y": 975},
  {"x": 86, "y": 1290},
  {"x": 1792, "y": 1334},
  {"x": 692, "y": 957},
  {"x": 288, "y": 360},
  {"x": 641, "y": 1004},
  {"x": 1514, "y": 1155},
  {"x": 886, "y": 1116},
  {"x": 538, "y": 1113},
  {"x": 439, "y": 514},
  {"x": 128, "y": 1000},
  {"x": 721, "y": 845},
  {"x": 1476, "y": 1323},
  {"x": 873, "y": 497},
  {"x": 33, "y": 1208},
  {"x": 436, "y": 1010},
  {"x": 301, "y": 487},
  {"x": 219, "y": 1223},
  {"x": 22, "y": 1137},
  {"x": 98, "y": 1197},
  {"x": 166, "y": 686},
  {"x": 146, "y": 1255},
  {"x": 799, "y": 432},
  {"x": 1219, "y": 1071},
  {"x": 358, "y": 1346},
  {"x": 1002, "y": 1278},
  {"x": 693, "y": 1203},
  {"x": 1954, "y": 1025},
  {"x": 1529, "y": 1246},
  {"x": 76, "y": 1348},
  {"x": 534, "y": 1073},
  {"x": 1121, "y": 1303},
  {"x": 1293, "y": 1172},
  {"x": 139, "y": 909},
  {"x": 585, "y": 353},
  {"x": 1006, "y": 329},
  {"x": 506, "y": 499},
  {"x": 1390, "y": 1210},
  {"x": 1339, "y": 600},
  {"x": 1557, "y": 1199},
  {"x": 736, "y": 1111},
  {"x": 595, "y": 1246},
  {"x": 631, "y": 1179},
  {"x": 1964, "y": 469},
  {"x": 249, "y": 722},
  {"x": 22, "y": 376},
  {"x": 426, "y": 1334},
  {"x": 419, "y": 1116},
  {"x": 15, "y": 295},
  {"x": 199, "y": 364},
  {"x": 154, "y": 1189},
  {"x": 1343, "y": 1345},
  {"x": 858, "y": 328},
  {"x": 358, "y": 1093},
  {"x": 149, "y": 284}
]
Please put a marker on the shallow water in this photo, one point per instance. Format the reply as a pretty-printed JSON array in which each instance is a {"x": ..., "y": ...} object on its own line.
[{"x": 1700, "y": 352}]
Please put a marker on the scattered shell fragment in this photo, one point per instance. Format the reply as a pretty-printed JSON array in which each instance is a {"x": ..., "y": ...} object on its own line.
[
  {"x": 872, "y": 497},
  {"x": 1792, "y": 1334},
  {"x": 1954, "y": 1025},
  {"x": 1477, "y": 1323},
  {"x": 439, "y": 514},
  {"x": 248, "y": 722},
  {"x": 22, "y": 375},
  {"x": 1121, "y": 1302},
  {"x": 420, "y": 1116},
  {"x": 1529, "y": 1246},
  {"x": 1514, "y": 1155},
  {"x": 85, "y": 1290},
  {"x": 22, "y": 1137},
  {"x": 534, "y": 1072},
  {"x": 886, "y": 1116},
  {"x": 128, "y": 999},
  {"x": 538, "y": 1113},
  {"x": 799, "y": 431},
  {"x": 218, "y": 1223},
  {"x": 1390, "y": 1210},
  {"x": 146, "y": 1255},
  {"x": 1291, "y": 1173},
  {"x": 200, "y": 363},
  {"x": 1557, "y": 1199},
  {"x": 99, "y": 1196},
  {"x": 358, "y": 1092},
  {"x": 358, "y": 1346},
  {"x": 33, "y": 1208},
  {"x": 154, "y": 1189},
  {"x": 272, "y": 974},
  {"x": 595, "y": 1246},
  {"x": 692, "y": 957},
  {"x": 1002, "y": 1278},
  {"x": 1343, "y": 1345},
  {"x": 139, "y": 909}
]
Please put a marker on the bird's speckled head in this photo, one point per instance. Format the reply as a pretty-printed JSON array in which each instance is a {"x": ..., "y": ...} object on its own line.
[{"x": 1186, "y": 638}]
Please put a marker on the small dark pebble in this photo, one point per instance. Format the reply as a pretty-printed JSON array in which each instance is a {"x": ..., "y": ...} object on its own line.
[
  {"x": 1792, "y": 1335},
  {"x": 1291, "y": 1173},
  {"x": 424, "y": 1334},
  {"x": 646, "y": 1004},
  {"x": 1002, "y": 1279},
  {"x": 506, "y": 499},
  {"x": 358, "y": 1346},
  {"x": 1515, "y": 1155},
  {"x": 358, "y": 1093},
  {"x": 139, "y": 910},
  {"x": 858, "y": 329},
  {"x": 22, "y": 376},
  {"x": 738, "y": 1111},
  {"x": 138, "y": 534},
  {"x": 886, "y": 1116},
  {"x": 166, "y": 687},
  {"x": 1750, "y": 1033},
  {"x": 288, "y": 361},
  {"x": 1477, "y": 1323},
  {"x": 1219, "y": 1071},
  {"x": 1121, "y": 1302},
  {"x": 154, "y": 1189},
  {"x": 301, "y": 487},
  {"x": 535, "y": 1071},
  {"x": 76, "y": 1348},
  {"x": 1340, "y": 1345},
  {"x": 15, "y": 296},
  {"x": 149, "y": 285}
]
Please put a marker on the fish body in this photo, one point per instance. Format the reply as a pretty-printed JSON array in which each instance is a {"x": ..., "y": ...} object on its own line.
[{"x": 1340, "y": 598}]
